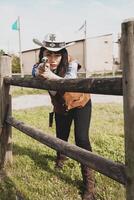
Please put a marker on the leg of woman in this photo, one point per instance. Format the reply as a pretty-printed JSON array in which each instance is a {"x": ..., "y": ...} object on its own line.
[
  {"x": 82, "y": 118},
  {"x": 63, "y": 124}
]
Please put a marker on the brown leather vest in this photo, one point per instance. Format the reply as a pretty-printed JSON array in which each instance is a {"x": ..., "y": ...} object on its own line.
[{"x": 58, "y": 100}]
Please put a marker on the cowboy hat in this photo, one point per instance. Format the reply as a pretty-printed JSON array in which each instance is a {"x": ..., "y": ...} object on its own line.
[{"x": 53, "y": 42}]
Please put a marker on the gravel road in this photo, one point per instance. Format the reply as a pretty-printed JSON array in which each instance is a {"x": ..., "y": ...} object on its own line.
[{"x": 30, "y": 101}]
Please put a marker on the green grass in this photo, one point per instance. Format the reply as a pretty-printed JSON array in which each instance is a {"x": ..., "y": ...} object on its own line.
[
  {"x": 33, "y": 176},
  {"x": 18, "y": 91},
  {"x": 106, "y": 74}
]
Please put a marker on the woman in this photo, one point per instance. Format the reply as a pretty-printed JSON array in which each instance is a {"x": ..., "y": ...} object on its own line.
[{"x": 67, "y": 106}]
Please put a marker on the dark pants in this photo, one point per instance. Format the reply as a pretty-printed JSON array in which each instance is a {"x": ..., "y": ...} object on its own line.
[{"x": 81, "y": 117}]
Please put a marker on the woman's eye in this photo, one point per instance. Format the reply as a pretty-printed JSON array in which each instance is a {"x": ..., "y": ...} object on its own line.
[
  {"x": 47, "y": 55},
  {"x": 57, "y": 55}
]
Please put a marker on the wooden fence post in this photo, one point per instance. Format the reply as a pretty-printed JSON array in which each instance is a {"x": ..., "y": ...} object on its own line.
[
  {"x": 127, "y": 63},
  {"x": 5, "y": 109}
]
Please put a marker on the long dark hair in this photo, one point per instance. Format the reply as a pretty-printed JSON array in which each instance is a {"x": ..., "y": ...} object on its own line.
[{"x": 62, "y": 68}]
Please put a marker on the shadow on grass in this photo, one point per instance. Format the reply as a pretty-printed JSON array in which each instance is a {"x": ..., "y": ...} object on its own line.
[
  {"x": 8, "y": 189},
  {"x": 42, "y": 160}
]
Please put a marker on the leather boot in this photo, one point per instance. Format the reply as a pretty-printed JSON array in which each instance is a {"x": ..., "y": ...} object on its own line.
[
  {"x": 88, "y": 183},
  {"x": 60, "y": 159}
]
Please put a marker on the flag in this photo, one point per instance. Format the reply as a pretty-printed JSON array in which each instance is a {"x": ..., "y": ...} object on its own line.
[{"x": 15, "y": 25}]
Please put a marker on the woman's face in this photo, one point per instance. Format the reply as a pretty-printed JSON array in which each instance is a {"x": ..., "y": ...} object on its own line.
[{"x": 54, "y": 59}]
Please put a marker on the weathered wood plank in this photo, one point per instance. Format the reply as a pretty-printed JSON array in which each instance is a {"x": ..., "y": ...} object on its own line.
[
  {"x": 127, "y": 62},
  {"x": 111, "y": 86},
  {"x": 5, "y": 109},
  {"x": 109, "y": 168}
]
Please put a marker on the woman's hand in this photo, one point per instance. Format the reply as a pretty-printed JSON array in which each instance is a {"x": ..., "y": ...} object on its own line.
[
  {"x": 42, "y": 68},
  {"x": 75, "y": 99},
  {"x": 71, "y": 98}
]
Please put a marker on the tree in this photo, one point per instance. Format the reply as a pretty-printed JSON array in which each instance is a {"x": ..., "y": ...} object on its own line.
[
  {"x": 2, "y": 52},
  {"x": 15, "y": 64}
]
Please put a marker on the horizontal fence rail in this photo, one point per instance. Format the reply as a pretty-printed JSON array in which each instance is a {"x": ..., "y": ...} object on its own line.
[
  {"x": 107, "y": 167},
  {"x": 109, "y": 86}
]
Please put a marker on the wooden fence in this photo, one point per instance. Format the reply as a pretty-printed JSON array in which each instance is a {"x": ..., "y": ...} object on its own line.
[{"x": 121, "y": 172}]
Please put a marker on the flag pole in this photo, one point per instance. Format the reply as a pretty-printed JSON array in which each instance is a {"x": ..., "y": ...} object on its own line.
[
  {"x": 85, "y": 48},
  {"x": 20, "y": 53}
]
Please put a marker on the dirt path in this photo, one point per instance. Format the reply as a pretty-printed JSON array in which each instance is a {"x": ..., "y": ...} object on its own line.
[{"x": 30, "y": 101}]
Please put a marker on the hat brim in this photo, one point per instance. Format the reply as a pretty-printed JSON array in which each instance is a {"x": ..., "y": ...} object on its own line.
[{"x": 36, "y": 41}]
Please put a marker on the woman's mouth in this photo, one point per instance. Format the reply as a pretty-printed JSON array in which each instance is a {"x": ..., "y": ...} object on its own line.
[{"x": 53, "y": 65}]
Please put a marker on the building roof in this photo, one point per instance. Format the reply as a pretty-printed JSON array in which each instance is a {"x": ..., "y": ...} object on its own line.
[{"x": 80, "y": 40}]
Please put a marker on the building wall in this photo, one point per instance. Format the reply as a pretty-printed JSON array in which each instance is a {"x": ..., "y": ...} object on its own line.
[
  {"x": 29, "y": 58},
  {"x": 99, "y": 54},
  {"x": 76, "y": 51}
]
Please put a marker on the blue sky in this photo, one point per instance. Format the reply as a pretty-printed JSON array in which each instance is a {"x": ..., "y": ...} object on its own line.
[{"x": 65, "y": 16}]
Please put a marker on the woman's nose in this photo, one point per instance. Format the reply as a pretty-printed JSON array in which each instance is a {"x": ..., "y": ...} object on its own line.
[{"x": 52, "y": 57}]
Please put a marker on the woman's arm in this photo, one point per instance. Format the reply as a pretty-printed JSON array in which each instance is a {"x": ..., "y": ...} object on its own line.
[
  {"x": 44, "y": 71},
  {"x": 49, "y": 75},
  {"x": 37, "y": 71}
]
